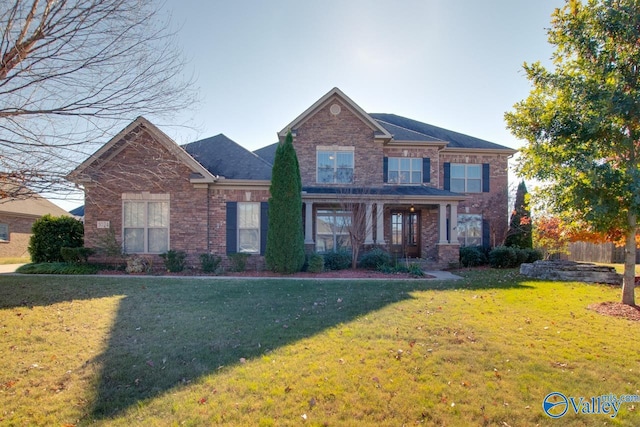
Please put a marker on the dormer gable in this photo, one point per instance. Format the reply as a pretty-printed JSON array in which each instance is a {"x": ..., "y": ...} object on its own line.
[{"x": 336, "y": 100}]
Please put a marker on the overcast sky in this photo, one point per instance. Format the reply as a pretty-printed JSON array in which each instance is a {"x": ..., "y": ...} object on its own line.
[{"x": 451, "y": 63}]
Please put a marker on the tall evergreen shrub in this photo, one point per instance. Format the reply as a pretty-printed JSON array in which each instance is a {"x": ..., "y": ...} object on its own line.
[
  {"x": 520, "y": 232},
  {"x": 285, "y": 237},
  {"x": 50, "y": 234}
]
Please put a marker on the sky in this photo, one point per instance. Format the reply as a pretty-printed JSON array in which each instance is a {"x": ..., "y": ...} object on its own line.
[{"x": 257, "y": 64}]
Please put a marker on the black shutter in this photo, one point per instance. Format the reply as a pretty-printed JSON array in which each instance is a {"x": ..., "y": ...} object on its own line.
[
  {"x": 264, "y": 226},
  {"x": 426, "y": 169},
  {"x": 385, "y": 169},
  {"x": 485, "y": 178},
  {"x": 232, "y": 227},
  {"x": 447, "y": 176},
  {"x": 486, "y": 234}
]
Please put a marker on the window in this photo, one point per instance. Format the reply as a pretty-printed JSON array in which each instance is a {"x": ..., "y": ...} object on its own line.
[
  {"x": 332, "y": 230},
  {"x": 335, "y": 166},
  {"x": 405, "y": 170},
  {"x": 4, "y": 232},
  {"x": 249, "y": 228},
  {"x": 145, "y": 226},
  {"x": 470, "y": 230},
  {"x": 466, "y": 178}
]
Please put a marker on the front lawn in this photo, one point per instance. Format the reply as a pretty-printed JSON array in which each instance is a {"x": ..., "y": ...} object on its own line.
[{"x": 192, "y": 351}]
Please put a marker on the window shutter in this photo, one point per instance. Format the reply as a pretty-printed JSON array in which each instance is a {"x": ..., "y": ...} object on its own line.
[
  {"x": 264, "y": 226},
  {"x": 485, "y": 178},
  {"x": 232, "y": 227},
  {"x": 426, "y": 169},
  {"x": 385, "y": 169},
  {"x": 447, "y": 176},
  {"x": 486, "y": 234}
]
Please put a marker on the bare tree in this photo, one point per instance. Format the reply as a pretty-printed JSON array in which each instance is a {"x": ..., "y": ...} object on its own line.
[
  {"x": 354, "y": 201},
  {"x": 74, "y": 71}
]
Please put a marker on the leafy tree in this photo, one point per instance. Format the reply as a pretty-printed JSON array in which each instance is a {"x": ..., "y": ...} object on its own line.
[
  {"x": 520, "y": 232},
  {"x": 581, "y": 121},
  {"x": 72, "y": 71},
  {"x": 51, "y": 234},
  {"x": 551, "y": 235},
  {"x": 285, "y": 237}
]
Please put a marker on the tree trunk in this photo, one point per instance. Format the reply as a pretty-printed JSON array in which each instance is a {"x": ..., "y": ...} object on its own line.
[{"x": 629, "y": 284}]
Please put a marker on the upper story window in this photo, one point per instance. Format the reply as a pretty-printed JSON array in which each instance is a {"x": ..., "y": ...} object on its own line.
[
  {"x": 466, "y": 178},
  {"x": 249, "y": 228},
  {"x": 335, "y": 166},
  {"x": 405, "y": 170},
  {"x": 145, "y": 224}
]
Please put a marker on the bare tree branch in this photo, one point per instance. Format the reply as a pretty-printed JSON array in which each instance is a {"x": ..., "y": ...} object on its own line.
[{"x": 73, "y": 73}]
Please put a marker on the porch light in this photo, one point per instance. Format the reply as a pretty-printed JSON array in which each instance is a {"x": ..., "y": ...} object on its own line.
[{"x": 412, "y": 209}]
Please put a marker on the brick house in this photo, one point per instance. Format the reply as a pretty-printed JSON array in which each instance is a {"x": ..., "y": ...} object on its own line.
[{"x": 421, "y": 191}]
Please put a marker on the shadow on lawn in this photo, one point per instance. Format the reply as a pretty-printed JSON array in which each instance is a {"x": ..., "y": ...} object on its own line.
[{"x": 171, "y": 332}]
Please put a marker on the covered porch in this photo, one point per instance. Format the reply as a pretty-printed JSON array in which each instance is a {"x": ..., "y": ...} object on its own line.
[{"x": 408, "y": 221}]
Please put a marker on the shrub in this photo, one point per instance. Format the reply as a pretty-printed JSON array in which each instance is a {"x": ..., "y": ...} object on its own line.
[
  {"x": 522, "y": 255},
  {"x": 315, "y": 263},
  {"x": 209, "y": 263},
  {"x": 472, "y": 256},
  {"x": 415, "y": 270},
  {"x": 76, "y": 255},
  {"x": 375, "y": 258},
  {"x": 533, "y": 255},
  {"x": 58, "y": 268},
  {"x": 174, "y": 261},
  {"x": 138, "y": 264},
  {"x": 238, "y": 261},
  {"x": 503, "y": 257},
  {"x": 340, "y": 260},
  {"x": 50, "y": 234}
]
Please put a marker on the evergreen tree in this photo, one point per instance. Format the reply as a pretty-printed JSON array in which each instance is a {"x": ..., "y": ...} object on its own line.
[
  {"x": 520, "y": 231},
  {"x": 285, "y": 237}
]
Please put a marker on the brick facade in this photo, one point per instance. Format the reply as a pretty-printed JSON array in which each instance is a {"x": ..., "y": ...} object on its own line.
[{"x": 19, "y": 235}]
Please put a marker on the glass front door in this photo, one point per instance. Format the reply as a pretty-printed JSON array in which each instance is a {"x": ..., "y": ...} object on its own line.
[{"x": 405, "y": 234}]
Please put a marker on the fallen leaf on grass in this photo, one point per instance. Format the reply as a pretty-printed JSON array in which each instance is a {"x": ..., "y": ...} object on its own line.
[{"x": 202, "y": 401}]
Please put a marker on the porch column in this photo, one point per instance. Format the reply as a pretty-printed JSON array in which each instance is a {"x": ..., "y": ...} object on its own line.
[
  {"x": 308, "y": 223},
  {"x": 380, "y": 224},
  {"x": 454, "y": 223},
  {"x": 369, "y": 225},
  {"x": 443, "y": 224}
]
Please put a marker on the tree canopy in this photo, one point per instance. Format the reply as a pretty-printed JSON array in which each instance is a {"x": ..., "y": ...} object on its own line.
[
  {"x": 581, "y": 120},
  {"x": 72, "y": 71}
]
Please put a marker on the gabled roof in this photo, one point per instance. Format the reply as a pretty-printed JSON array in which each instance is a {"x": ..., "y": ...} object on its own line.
[
  {"x": 224, "y": 157},
  {"x": 118, "y": 143},
  {"x": 28, "y": 203},
  {"x": 454, "y": 139},
  {"x": 268, "y": 153},
  {"x": 380, "y": 131}
]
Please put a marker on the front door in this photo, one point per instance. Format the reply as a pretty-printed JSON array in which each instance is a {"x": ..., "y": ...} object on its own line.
[{"x": 405, "y": 234}]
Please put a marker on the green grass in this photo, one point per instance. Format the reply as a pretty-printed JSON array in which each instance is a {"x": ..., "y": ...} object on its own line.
[{"x": 167, "y": 351}]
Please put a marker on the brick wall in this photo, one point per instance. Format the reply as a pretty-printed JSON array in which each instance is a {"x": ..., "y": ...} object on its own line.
[
  {"x": 19, "y": 235},
  {"x": 493, "y": 206},
  {"x": 344, "y": 129},
  {"x": 145, "y": 165}
]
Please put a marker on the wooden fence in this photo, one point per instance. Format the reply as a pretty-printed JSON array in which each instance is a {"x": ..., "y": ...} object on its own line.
[{"x": 591, "y": 252}]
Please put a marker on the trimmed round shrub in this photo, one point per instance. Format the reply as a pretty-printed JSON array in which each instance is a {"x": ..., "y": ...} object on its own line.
[
  {"x": 340, "y": 260},
  {"x": 50, "y": 234},
  {"x": 315, "y": 263},
  {"x": 375, "y": 259},
  {"x": 503, "y": 257},
  {"x": 533, "y": 255},
  {"x": 472, "y": 256}
]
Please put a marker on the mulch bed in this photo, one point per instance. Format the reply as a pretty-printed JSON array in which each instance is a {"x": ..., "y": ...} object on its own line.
[{"x": 617, "y": 309}]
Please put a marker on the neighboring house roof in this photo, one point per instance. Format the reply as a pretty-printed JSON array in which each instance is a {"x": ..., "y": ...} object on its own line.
[
  {"x": 118, "y": 142},
  {"x": 32, "y": 206},
  {"x": 224, "y": 157},
  {"x": 455, "y": 140},
  {"x": 267, "y": 153}
]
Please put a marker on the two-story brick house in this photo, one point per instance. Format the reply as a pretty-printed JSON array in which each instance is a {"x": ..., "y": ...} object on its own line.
[{"x": 420, "y": 190}]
